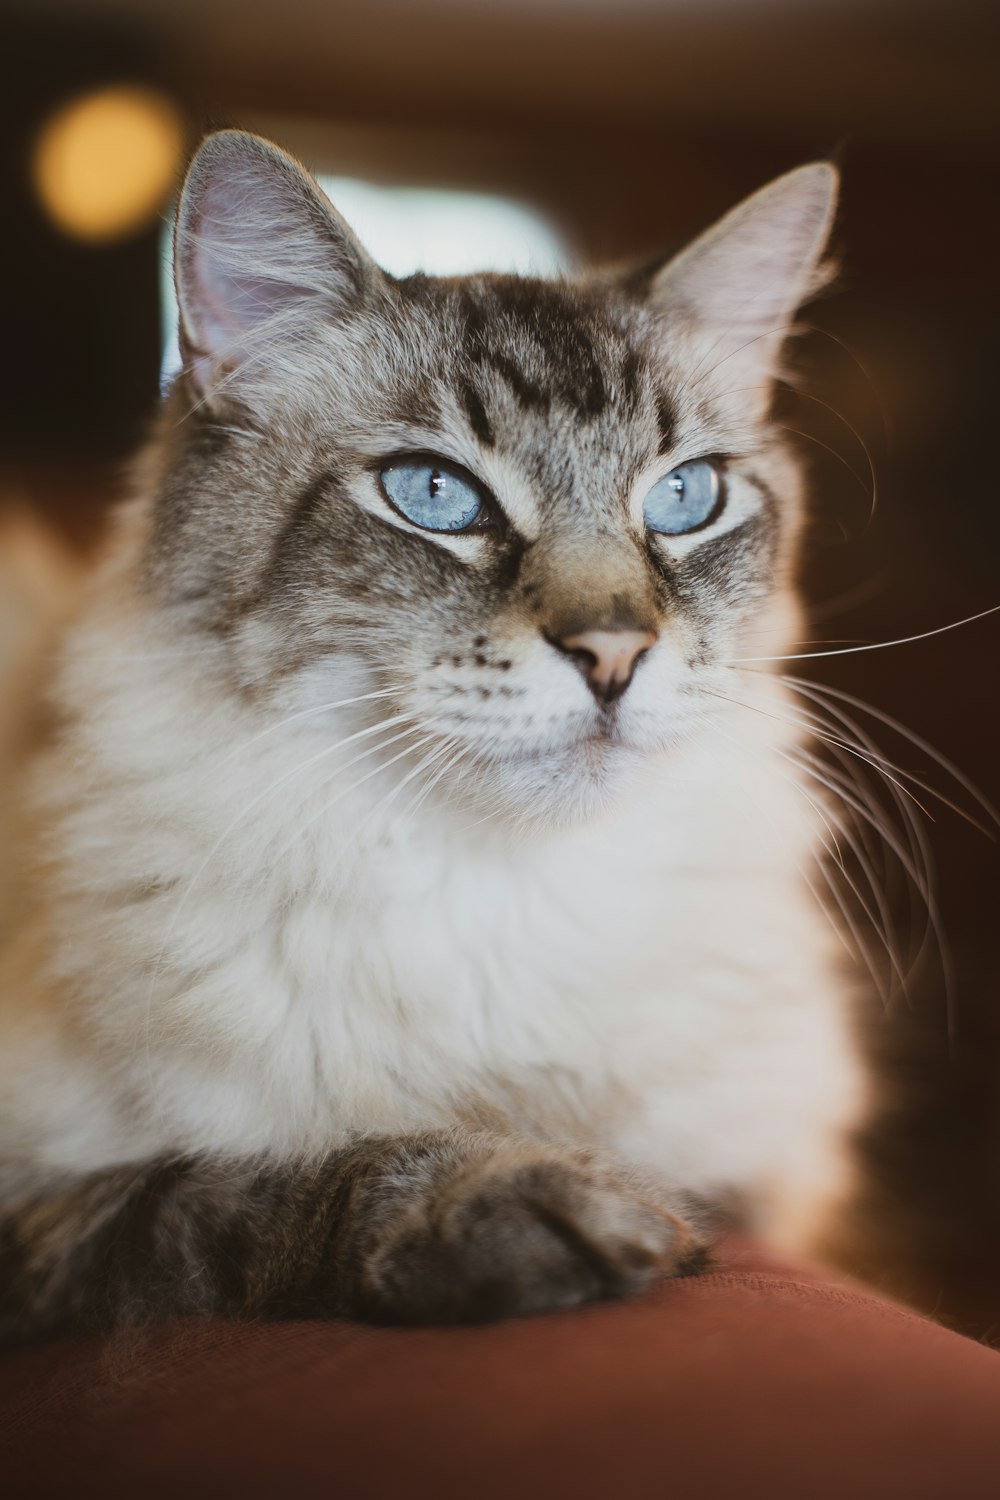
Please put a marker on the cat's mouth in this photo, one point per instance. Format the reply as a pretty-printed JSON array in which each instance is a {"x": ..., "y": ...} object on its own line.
[
  {"x": 590, "y": 746},
  {"x": 605, "y": 728},
  {"x": 603, "y": 738},
  {"x": 593, "y": 746}
]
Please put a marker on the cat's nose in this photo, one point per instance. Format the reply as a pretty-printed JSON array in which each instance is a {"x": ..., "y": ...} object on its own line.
[{"x": 607, "y": 658}]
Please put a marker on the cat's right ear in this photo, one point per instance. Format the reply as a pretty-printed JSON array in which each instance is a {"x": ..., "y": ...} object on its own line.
[
  {"x": 730, "y": 299},
  {"x": 259, "y": 255}
]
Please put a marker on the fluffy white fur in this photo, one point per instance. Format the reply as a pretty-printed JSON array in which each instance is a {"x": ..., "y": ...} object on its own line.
[
  {"x": 655, "y": 980},
  {"x": 250, "y": 941}
]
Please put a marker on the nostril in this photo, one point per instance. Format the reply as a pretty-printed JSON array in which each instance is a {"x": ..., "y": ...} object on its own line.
[
  {"x": 606, "y": 658},
  {"x": 584, "y": 659}
]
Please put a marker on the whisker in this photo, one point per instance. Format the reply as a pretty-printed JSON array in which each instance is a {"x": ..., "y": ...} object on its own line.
[
  {"x": 311, "y": 713},
  {"x": 872, "y": 384},
  {"x": 817, "y": 691},
  {"x": 853, "y": 789},
  {"x": 807, "y": 396},
  {"x": 350, "y": 790},
  {"x": 810, "y": 437},
  {"x": 905, "y": 640},
  {"x": 452, "y": 757},
  {"x": 861, "y": 949},
  {"x": 883, "y": 924},
  {"x": 701, "y": 373},
  {"x": 915, "y": 861},
  {"x": 812, "y": 728},
  {"x": 425, "y": 761},
  {"x": 235, "y": 431},
  {"x": 921, "y": 878},
  {"x": 880, "y": 762},
  {"x": 918, "y": 844},
  {"x": 922, "y": 865}
]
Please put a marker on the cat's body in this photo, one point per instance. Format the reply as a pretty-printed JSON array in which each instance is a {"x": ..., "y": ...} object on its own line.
[{"x": 263, "y": 936}]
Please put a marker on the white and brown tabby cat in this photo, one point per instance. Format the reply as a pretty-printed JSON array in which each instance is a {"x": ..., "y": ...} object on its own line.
[{"x": 415, "y": 930}]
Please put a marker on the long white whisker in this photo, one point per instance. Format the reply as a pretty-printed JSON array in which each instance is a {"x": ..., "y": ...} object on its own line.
[
  {"x": 906, "y": 640},
  {"x": 813, "y": 728},
  {"x": 919, "y": 849},
  {"x": 918, "y": 844},
  {"x": 921, "y": 881},
  {"x": 884, "y": 833},
  {"x": 831, "y": 730},
  {"x": 701, "y": 373},
  {"x": 861, "y": 947},
  {"x": 312, "y": 713},
  {"x": 919, "y": 875},
  {"x": 873, "y": 388},
  {"x": 452, "y": 755},
  {"x": 883, "y": 924},
  {"x": 810, "y": 437},
  {"x": 819, "y": 691},
  {"x": 808, "y": 396},
  {"x": 349, "y": 791},
  {"x": 425, "y": 760}
]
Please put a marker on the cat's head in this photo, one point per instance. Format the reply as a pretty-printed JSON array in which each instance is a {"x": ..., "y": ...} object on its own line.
[{"x": 542, "y": 514}]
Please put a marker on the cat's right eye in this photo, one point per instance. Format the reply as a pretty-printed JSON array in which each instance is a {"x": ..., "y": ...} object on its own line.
[
  {"x": 435, "y": 495},
  {"x": 685, "y": 499}
]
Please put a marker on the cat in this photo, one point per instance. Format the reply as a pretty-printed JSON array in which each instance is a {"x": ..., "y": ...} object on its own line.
[{"x": 412, "y": 926}]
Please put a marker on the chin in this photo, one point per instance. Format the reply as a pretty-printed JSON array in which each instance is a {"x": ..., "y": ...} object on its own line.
[{"x": 554, "y": 788}]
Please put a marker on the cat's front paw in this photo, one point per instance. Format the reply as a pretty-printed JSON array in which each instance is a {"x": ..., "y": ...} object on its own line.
[{"x": 520, "y": 1230}]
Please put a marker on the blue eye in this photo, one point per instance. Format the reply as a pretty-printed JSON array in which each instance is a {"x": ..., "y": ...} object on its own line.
[
  {"x": 433, "y": 495},
  {"x": 684, "y": 499}
]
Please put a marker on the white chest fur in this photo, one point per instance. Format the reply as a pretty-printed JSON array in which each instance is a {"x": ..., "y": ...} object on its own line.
[{"x": 654, "y": 982}]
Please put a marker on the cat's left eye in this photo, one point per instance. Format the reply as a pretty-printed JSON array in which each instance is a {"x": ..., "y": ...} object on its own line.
[
  {"x": 434, "y": 494},
  {"x": 684, "y": 499}
]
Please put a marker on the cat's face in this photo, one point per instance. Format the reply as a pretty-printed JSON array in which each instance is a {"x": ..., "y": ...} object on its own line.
[{"x": 542, "y": 516}]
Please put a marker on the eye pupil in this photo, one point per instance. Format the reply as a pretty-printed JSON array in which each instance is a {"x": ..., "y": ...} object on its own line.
[
  {"x": 437, "y": 482},
  {"x": 677, "y": 485}
]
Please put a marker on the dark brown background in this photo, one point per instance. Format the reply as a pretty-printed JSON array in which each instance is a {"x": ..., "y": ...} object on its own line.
[{"x": 633, "y": 125}]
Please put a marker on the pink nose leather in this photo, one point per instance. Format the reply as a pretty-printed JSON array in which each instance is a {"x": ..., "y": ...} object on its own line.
[{"x": 607, "y": 658}]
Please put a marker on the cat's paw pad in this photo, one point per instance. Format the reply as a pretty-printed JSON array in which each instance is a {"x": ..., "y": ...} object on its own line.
[{"x": 523, "y": 1231}]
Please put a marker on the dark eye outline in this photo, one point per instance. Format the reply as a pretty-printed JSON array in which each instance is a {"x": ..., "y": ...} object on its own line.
[
  {"x": 717, "y": 462},
  {"x": 490, "y": 516}
]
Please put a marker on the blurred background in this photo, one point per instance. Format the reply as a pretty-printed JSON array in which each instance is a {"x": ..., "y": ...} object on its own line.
[{"x": 537, "y": 132}]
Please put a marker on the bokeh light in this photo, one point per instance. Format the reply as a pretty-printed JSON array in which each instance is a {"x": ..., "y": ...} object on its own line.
[{"x": 105, "y": 163}]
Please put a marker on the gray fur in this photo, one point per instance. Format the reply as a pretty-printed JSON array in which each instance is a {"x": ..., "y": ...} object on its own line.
[{"x": 438, "y": 1228}]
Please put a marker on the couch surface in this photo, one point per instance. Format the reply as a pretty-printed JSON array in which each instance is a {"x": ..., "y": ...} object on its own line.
[{"x": 758, "y": 1379}]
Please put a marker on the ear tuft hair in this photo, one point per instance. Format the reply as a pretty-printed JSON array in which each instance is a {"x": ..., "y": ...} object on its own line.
[
  {"x": 739, "y": 286},
  {"x": 259, "y": 251}
]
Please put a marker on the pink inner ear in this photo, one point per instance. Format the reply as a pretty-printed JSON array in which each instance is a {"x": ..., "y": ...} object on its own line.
[
  {"x": 731, "y": 298},
  {"x": 755, "y": 267},
  {"x": 256, "y": 240},
  {"x": 227, "y": 298}
]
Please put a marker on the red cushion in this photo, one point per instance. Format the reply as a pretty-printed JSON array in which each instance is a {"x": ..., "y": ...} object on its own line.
[{"x": 758, "y": 1379}]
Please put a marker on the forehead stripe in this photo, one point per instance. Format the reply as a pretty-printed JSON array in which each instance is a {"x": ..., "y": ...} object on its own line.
[
  {"x": 476, "y": 413},
  {"x": 665, "y": 422}
]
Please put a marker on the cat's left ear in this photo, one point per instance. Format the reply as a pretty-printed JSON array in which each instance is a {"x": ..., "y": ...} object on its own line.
[
  {"x": 260, "y": 257},
  {"x": 733, "y": 294}
]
